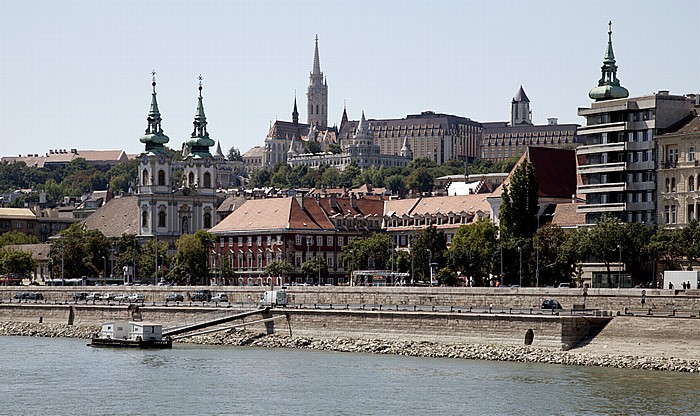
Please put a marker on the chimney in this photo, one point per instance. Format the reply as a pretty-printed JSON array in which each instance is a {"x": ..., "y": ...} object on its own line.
[
  {"x": 552, "y": 121},
  {"x": 663, "y": 92},
  {"x": 353, "y": 201},
  {"x": 300, "y": 199},
  {"x": 334, "y": 203}
]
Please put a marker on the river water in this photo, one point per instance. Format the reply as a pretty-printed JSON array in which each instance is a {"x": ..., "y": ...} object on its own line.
[{"x": 57, "y": 376}]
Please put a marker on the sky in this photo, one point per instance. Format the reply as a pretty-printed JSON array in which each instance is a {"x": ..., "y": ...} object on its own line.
[{"x": 77, "y": 74}]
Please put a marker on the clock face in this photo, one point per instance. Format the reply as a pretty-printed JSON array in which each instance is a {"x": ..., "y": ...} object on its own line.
[
  {"x": 207, "y": 162},
  {"x": 144, "y": 160},
  {"x": 161, "y": 159}
]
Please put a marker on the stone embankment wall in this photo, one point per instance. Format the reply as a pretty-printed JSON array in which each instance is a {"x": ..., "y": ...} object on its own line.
[
  {"x": 551, "y": 331},
  {"x": 614, "y": 300}
]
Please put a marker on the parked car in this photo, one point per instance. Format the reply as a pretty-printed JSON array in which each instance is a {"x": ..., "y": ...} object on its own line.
[
  {"x": 201, "y": 295},
  {"x": 20, "y": 295},
  {"x": 137, "y": 297},
  {"x": 93, "y": 296},
  {"x": 107, "y": 296},
  {"x": 564, "y": 285},
  {"x": 220, "y": 297},
  {"x": 34, "y": 296},
  {"x": 550, "y": 304},
  {"x": 80, "y": 295},
  {"x": 122, "y": 297},
  {"x": 174, "y": 297}
]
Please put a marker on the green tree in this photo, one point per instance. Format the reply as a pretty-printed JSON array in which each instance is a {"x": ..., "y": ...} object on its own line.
[
  {"x": 16, "y": 262},
  {"x": 315, "y": 267},
  {"x": 604, "y": 241},
  {"x": 80, "y": 252},
  {"x": 279, "y": 268},
  {"x": 17, "y": 237},
  {"x": 192, "y": 258},
  {"x": 473, "y": 248},
  {"x": 335, "y": 149},
  {"x": 259, "y": 179},
  {"x": 518, "y": 212},
  {"x": 312, "y": 147},
  {"x": 234, "y": 155},
  {"x": 396, "y": 185},
  {"x": 367, "y": 252},
  {"x": 123, "y": 176},
  {"x": 420, "y": 180},
  {"x": 447, "y": 277},
  {"x": 430, "y": 246}
]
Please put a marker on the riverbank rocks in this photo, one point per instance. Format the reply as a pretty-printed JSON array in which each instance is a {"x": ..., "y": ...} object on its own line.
[{"x": 527, "y": 354}]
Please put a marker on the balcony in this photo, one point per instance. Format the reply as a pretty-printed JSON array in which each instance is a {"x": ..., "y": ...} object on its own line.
[
  {"x": 601, "y": 128},
  {"x": 601, "y": 188},
  {"x": 600, "y": 148},
  {"x": 602, "y": 168},
  {"x": 611, "y": 207}
]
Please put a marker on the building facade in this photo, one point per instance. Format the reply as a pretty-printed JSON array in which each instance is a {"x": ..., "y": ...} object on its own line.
[
  {"x": 362, "y": 151},
  {"x": 677, "y": 194},
  {"x": 438, "y": 137},
  {"x": 168, "y": 208},
  {"x": 617, "y": 160},
  {"x": 295, "y": 229},
  {"x": 506, "y": 140}
]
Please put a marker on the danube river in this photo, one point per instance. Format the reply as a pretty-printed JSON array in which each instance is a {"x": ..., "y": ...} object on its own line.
[{"x": 57, "y": 376}]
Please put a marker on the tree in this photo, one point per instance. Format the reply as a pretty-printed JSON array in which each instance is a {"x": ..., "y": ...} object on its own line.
[
  {"x": 123, "y": 176},
  {"x": 16, "y": 262},
  {"x": 396, "y": 185},
  {"x": 79, "y": 252},
  {"x": 315, "y": 267},
  {"x": 430, "y": 246},
  {"x": 420, "y": 180},
  {"x": 518, "y": 212},
  {"x": 367, "y": 252},
  {"x": 279, "y": 268},
  {"x": 473, "y": 248},
  {"x": 191, "y": 261},
  {"x": 17, "y": 237},
  {"x": 334, "y": 148},
  {"x": 312, "y": 147},
  {"x": 234, "y": 155},
  {"x": 604, "y": 241}
]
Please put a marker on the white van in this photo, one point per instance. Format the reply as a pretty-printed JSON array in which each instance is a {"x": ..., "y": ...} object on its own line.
[{"x": 273, "y": 298}]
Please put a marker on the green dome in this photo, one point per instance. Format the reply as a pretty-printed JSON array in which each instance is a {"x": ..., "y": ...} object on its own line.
[{"x": 608, "y": 92}]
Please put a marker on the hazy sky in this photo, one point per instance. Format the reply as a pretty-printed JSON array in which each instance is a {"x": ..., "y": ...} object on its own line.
[{"x": 76, "y": 74}]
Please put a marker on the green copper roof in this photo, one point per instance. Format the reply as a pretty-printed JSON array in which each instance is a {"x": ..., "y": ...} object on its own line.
[
  {"x": 154, "y": 138},
  {"x": 608, "y": 86},
  {"x": 200, "y": 142}
]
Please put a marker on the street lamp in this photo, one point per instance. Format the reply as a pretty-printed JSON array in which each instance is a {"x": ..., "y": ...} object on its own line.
[
  {"x": 104, "y": 267},
  {"x": 619, "y": 264},
  {"x": 430, "y": 265},
  {"x": 520, "y": 251}
]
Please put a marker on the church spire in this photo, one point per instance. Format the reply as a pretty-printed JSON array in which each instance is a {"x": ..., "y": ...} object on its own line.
[
  {"x": 295, "y": 113},
  {"x": 200, "y": 142},
  {"x": 608, "y": 86},
  {"x": 153, "y": 138},
  {"x": 317, "y": 62}
]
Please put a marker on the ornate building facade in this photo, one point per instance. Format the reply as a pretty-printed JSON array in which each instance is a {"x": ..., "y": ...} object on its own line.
[{"x": 167, "y": 208}]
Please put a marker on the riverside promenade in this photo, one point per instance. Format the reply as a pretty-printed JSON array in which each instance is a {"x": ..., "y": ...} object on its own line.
[{"x": 623, "y": 332}]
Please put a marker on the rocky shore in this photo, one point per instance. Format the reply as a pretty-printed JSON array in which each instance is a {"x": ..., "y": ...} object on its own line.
[{"x": 526, "y": 354}]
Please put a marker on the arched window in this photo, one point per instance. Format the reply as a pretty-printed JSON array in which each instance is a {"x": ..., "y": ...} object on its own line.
[
  {"x": 144, "y": 178},
  {"x": 673, "y": 184},
  {"x": 207, "y": 180},
  {"x": 190, "y": 179},
  {"x": 691, "y": 184},
  {"x": 316, "y": 108},
  {"x": 668, "y": 185},
  {"x": 691, "y": 154},
  {"x": 144, "y": 219},
  {"x": 161, "y": 177},
  {"x": 161, "y": 219},
  {"x": 207, "y": 220}
]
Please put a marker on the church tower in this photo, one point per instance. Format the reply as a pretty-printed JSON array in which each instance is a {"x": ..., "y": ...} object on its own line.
[
  {"x": 317, "y": 95},
  {"x": 520, "y": 109},
  {"x": 154, "y": 173},
  {"x": 608, "y": 85}
]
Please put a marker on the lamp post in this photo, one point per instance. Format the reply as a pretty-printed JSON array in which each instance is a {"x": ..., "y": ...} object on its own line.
[
  {"x": 430, "y": 265},
  {"x": 520, "y": 251},
  {"x": 619, "y": 274},
  {"x": 155, "y": 283},
  {"x": 412, "y": 269},
  {"x": 63, "y": 264},
  {"x": 104, "y": 267}
]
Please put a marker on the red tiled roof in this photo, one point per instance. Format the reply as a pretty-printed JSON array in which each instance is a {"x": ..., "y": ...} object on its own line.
[{"x": 565, "y": 215}]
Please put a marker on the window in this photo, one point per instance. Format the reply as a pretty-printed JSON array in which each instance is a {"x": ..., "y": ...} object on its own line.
[
  {"x": 691, "y": 212},
  {"x": 691, "y": 154},
  {"x": 673, "y": 214},
  {"x": 207, "y": 222},
  {"x": 319, "y": 241},
  {"x": 341, "y": 241},
  {"x": 249, "y": 241},
  {"x": 207, "y": 180},
  {"x": 161, "y": 219},
  {"x": 691, "y": 184},
  {"x": 144, "y": 219},
  {"x": 297, "y": 239},
  {"x": 240, "y": 241},
  {"x": 144, "y": 178},
  {"x": 673, "y": 184},
  {"x": 329, "y": 241},
  {"x": 161, "y": 177},
  {"x": 258, "y": 240},
  {"x": 190, "y": 179},
  {"x": 667, "y": 214}
]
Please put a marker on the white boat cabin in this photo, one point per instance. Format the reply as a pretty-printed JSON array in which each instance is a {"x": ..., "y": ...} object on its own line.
[{"x": 132, "y": 330}]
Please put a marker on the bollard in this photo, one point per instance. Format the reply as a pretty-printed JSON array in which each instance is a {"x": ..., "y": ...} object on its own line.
[
  {"x": 331, "y": 306},
  {"x": 451, "y": 309},
  {"x": 380, "y": 307},
  {"x": 397, "y": 307},
  {"x": 414, "y": 308},
  {"x": 347, "y": 306}
]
